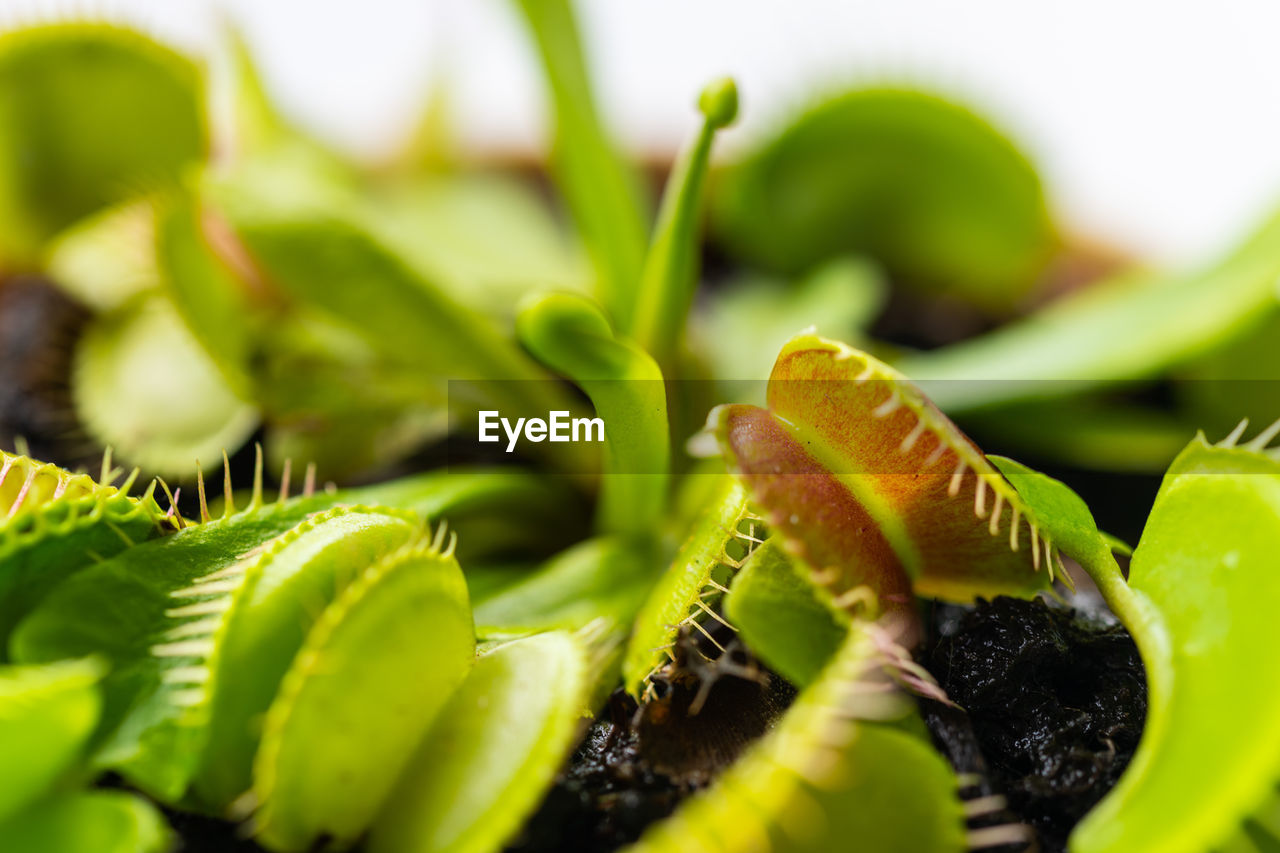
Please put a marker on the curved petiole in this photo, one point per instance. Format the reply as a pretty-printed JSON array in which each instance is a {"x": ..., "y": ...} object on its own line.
[{"x": 570, "y": 335}]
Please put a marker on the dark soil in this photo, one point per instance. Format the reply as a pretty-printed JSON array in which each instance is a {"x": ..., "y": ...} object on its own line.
[
  {"x": 1052, "y": 703},
  {"x": 202, "y": 834},
  {"x": 39, "y": 326}
]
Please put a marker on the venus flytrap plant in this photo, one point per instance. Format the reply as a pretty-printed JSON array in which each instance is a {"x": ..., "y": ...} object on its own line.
[
  {"x": 176, "y": 621},
  {"x": 549, "y": 655},
  {"x": 310, "y": 664},
  {"x": 868, "y": 483},
  {"x": 376, "y": 669},
  {"x": 572, "y": 336},
  {"x": 829, "y": 467},
  {"x": 471, "y": 793},
  {"x": 495, "y": 746},
  {"x": 670, "y": 274},
  {"x": 54, "y": 523},
  {"x": 274, "y": 599},
  {"x": 159, "y": 638}
]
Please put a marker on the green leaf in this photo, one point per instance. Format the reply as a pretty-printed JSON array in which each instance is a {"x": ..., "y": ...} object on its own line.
[
  {"x": 928, "y": 189},
  {"x": 349, "y": 442},
  {"x": 313, "y": 244},
  {"x": 375, "y": 671},
  {"x": 89, "y": 822},
  {"x": 257, "y": 122},
  {"x": 46, "y": 715},
  {"x": 445, "y": 226},
  {"x": 92, "y": 115},
  {"x": 1200, "y": 602},
  {"x": 1064, "y": 516},
  {"x": 488, "y": 580},
  {"x": 1087, "y": 432},
  {"x": 493, "y": 511},
  {"x": 601, "y": 192},
  {"x": 597, "y": 579},
  {"x": 143, "y": 386},
  {"x": 213, "y": 302},
  {"x": 105, "y": 260},
  {"x": 783, "y": 617},
  {"x": 1239, "y": 379},
  {"x": 492, "y": 753},
  {"x": 1133, "y": 326}
]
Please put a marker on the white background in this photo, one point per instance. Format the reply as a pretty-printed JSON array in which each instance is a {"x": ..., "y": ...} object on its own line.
[{"x": 1157, "y": 124}]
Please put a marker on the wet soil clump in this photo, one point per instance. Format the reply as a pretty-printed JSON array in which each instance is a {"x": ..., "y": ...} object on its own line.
[{"x": 1052, "y": 703}]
